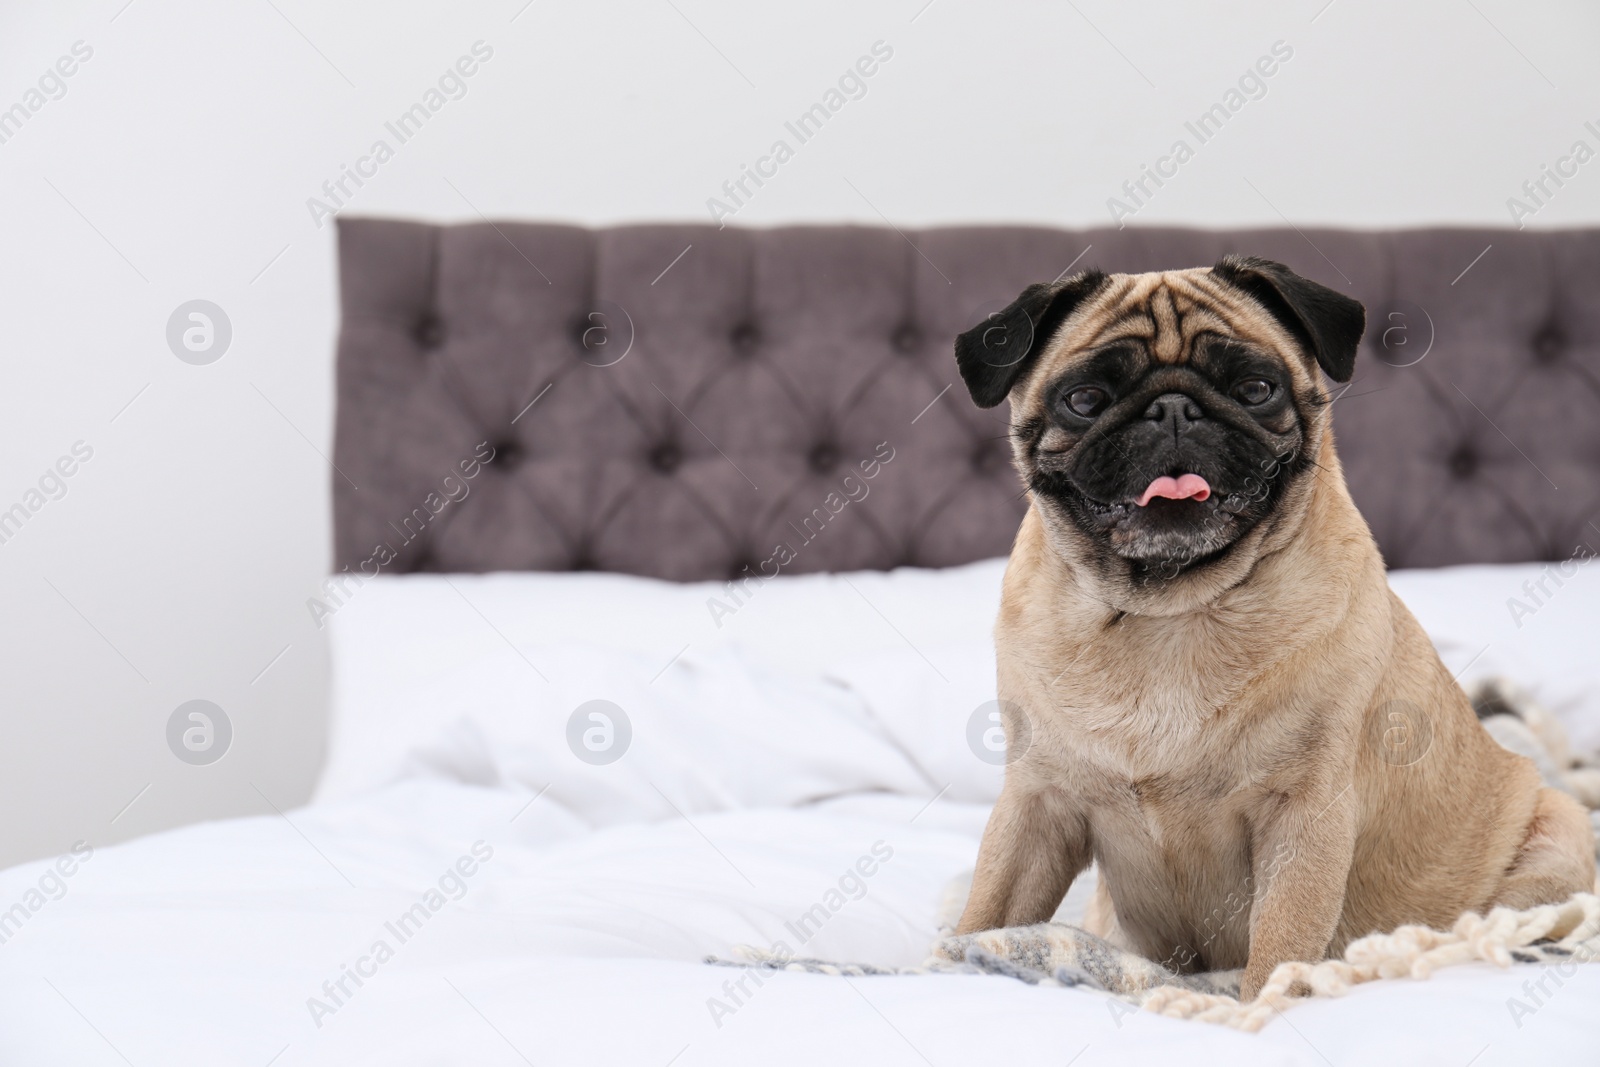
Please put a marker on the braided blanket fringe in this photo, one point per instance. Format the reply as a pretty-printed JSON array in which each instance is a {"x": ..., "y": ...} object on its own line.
[
  {"x": 1547, "y": 933},
  {"x": 1058, "y": 954},
  {"x": 1055, "y": 954}
]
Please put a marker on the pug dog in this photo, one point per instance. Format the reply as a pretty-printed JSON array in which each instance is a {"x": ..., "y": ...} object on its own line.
[{"x": 1208, "y": 688}]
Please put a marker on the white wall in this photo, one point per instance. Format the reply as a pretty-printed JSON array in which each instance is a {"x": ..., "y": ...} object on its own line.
[{"x": 179, "y": 161}]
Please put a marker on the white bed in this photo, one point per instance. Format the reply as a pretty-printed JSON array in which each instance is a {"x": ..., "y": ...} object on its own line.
[{"x": 810, "y": 752}]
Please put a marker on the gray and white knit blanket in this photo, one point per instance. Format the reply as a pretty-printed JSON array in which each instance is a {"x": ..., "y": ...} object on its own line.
[{"x": 1060, "y": 954}]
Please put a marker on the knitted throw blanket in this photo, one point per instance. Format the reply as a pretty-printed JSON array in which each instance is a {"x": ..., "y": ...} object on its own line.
[{"x": 1058, "y": 954}]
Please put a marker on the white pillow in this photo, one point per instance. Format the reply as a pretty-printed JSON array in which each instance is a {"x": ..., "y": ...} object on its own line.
[
  {"x": 1465, "y": 610},
  {"x": 1485, "y": 621},
  {"x": 616, "y": 737},
  {"x": 915, "y": 646},
  {"x": 931, "y": 713},
  {"x": 395, "y": 635}
]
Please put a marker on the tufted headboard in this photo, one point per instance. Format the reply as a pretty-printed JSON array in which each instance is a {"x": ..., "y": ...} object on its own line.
[{"x": 681, "y": 401}]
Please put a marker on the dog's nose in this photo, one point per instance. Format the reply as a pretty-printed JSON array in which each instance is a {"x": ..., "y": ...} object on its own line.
[{"x": 1174, "y": 409}]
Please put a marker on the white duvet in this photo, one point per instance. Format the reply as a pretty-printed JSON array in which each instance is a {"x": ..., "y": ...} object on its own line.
[{"x": 467, "y": 890}]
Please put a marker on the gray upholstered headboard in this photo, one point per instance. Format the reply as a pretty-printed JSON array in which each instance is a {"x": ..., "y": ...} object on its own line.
[{"x": 679, "y": 401}]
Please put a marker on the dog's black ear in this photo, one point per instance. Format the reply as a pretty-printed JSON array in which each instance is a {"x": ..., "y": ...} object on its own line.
[
  {"x": 994, "y": 354},
  {"x": 1328, "y": 323}
]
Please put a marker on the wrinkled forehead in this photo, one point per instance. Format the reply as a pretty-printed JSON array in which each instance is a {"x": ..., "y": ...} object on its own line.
[{"x": 1165, "y": 313}]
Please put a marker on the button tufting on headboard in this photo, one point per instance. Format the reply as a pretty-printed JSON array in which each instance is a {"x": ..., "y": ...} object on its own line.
[
  {"x": 1548, "y": 343},
  {"x": 988, "y": 456},
  {"x": 666, "y": 456},
  {"x": 787, "y": 399},
  {"x": 824, "y": 457},
  {"x": 429, "y": 331},
  {"x": 744, "y": 338}
]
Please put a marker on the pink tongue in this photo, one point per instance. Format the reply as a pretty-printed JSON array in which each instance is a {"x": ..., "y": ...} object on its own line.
[{"x": 1183, "y": 487}]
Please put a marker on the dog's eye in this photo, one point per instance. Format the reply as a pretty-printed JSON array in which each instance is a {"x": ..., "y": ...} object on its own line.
[
  {"x": 1253, "y": 391},
  {"x": 1087, "y": 401}
]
